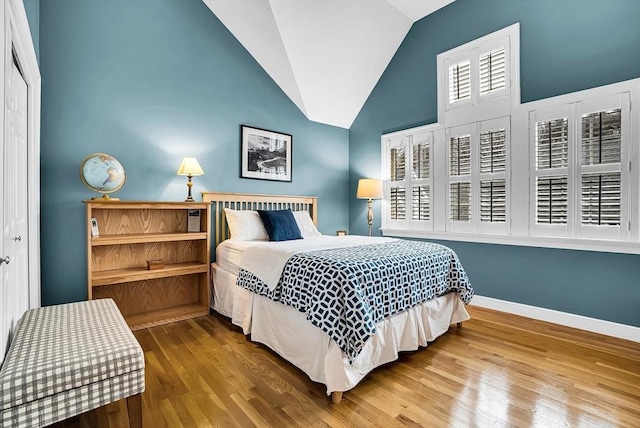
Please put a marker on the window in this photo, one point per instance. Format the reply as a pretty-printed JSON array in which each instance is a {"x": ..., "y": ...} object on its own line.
[
  {"x": 579, "y": 178},
  {"x": 408, "y": 180},
  {"x": 478, "y": 73},
  {"x": 555, "y": 172},
  {"x": 477, "y": 155}
]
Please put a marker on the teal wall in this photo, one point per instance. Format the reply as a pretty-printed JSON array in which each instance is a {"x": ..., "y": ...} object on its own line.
[
  {"x": 152, "y": 81},
  {"x": 565, "y": 46},
  {"x": 32, "y": 8}
]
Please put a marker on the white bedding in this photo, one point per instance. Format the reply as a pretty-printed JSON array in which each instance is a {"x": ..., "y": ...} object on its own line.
[
  {"x": 286, "y": 330},
  {"x": 266, "y": 260}
]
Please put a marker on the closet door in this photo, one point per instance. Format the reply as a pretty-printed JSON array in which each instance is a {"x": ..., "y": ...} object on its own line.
[
  {"x": 15, "y": 274},
  {"x": 19, "y": 170}
]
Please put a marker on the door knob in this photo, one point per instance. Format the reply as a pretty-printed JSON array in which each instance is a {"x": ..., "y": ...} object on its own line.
[
  {"x": 5, "y": 260},
  {"x": 18, "y": 238}
]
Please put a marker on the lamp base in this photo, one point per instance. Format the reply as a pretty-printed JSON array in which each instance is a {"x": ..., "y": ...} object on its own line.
[
  {"x": 189, "y": 185},
  {"x": 370, "y": 214}
]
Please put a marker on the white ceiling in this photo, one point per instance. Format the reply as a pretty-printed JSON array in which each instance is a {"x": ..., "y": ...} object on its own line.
[{"x": 326, "y": 55}]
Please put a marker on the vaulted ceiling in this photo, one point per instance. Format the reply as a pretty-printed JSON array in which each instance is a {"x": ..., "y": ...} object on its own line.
[{"x": 326, "y": 55}]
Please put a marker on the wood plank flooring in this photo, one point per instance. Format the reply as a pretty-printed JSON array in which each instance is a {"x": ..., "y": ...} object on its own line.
[{"x": 498, "y": 370}]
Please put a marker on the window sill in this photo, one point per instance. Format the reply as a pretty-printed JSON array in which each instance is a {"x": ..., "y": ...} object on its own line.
[{"x": 624, "y": 247}]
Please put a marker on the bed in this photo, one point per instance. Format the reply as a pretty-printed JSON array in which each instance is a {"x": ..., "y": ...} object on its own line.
[{"x": 313, "y": 333}]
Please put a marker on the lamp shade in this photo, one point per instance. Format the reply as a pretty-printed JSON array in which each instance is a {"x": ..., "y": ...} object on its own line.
[
  {"x": 190, "y": 166},
  {"x": 369, "y": 188}
]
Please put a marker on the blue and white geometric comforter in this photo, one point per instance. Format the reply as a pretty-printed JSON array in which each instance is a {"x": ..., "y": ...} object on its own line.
[{"x": 346, "y": 291}]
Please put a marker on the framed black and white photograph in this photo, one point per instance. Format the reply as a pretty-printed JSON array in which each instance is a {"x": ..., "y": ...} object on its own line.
[{"x": 265, "y": 155}]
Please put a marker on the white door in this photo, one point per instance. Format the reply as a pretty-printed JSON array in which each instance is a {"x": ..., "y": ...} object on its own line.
[{"x": 15, "y": 273}]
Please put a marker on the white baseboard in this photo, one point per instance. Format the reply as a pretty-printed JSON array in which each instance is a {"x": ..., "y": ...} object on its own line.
[{"x": 608, "y": 328}]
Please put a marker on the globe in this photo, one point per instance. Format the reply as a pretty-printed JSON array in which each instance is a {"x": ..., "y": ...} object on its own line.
[{"x": 102, "y": 173}]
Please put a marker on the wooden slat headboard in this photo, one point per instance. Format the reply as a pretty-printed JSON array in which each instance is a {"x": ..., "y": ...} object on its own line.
[{"x": 245, "y": 201}]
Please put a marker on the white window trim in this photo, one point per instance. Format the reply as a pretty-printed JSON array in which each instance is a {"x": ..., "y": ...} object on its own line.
[
  {"x": 407, "y": 139},
  {"x": 519, "y": 175},
  {"x": 629, "y": 241},
  {"x": 494, "y": 105}
]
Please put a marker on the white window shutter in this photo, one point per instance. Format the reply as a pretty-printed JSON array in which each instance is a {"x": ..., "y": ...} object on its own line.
[
  {"x": 460, "y": 200},
  {"x": 420, "y": 202},
  {"x": 397, "y": 203},
  {"x": 552, "y": 144},
  {"x": 460, "y": 155},
  {"x": 551, "y": 200},
  {"x": 601, "y": 199},
  {"x": 460, "y": 81},
  {"x": 493, "y": 198},
  {"x": 600, "y": 170},
  {"x": 420, "y": 174},
  {"x": 493, "y": 151},
  {"x": 492, "y": 71},
  {"x": 552, "y": 157},
  {"x": 601, "y": 137},
  {"x": 398, "y": 163},
  {"x": 493, "y": 186},
  {"x": 420, "y": 167},
  {"x": 397, "y": 173}
]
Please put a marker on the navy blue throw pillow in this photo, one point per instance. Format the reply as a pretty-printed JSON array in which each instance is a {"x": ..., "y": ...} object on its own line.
[{"x": 281, "y": 225}]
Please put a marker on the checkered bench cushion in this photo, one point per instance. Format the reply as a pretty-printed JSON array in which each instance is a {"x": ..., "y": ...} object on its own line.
[{"x": 68, "y": 359}]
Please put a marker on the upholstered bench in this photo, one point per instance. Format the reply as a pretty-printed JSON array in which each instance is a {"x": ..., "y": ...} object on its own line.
[{"x": 67, "y": 359}]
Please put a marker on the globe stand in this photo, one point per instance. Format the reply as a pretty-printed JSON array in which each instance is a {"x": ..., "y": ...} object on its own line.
[{"x": 105, "y": 198}]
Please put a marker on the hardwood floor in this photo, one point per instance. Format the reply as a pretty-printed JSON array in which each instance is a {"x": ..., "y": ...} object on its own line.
[{"x": 497, "y": 370}]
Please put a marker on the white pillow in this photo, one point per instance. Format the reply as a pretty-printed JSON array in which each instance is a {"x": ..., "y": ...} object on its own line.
[
  {"x": 305, "y": 224},
  {"x": 245, "y": 225}
]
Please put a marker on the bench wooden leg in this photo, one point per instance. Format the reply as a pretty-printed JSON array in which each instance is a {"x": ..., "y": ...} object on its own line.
[
  {"x": 336, "y": 397},
  {"x": 459, "y": 325},
  {"x": 134, "y": 409}
]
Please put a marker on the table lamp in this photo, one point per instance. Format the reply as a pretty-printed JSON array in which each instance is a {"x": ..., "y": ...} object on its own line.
[
  {"x": 369, "y": 189},
  {"x": 190, "y": 167}
]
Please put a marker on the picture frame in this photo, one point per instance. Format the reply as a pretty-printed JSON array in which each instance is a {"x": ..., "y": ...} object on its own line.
[{"x": 265, "y": 154}]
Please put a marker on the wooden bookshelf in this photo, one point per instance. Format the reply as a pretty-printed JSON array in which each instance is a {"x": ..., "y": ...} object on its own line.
[{"x": 130, "y": 233}]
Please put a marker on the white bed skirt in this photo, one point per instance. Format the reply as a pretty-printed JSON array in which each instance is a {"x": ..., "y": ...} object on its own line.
[{"x": 287, "y": 331}]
